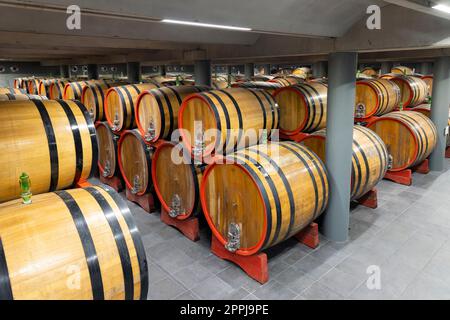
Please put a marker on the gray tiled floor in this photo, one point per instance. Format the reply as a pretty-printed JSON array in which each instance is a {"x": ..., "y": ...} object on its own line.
[{"x": 408, "y": 237}]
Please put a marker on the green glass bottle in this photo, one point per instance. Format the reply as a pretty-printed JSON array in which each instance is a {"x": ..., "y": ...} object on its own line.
[{"x": 25, "y": 188}]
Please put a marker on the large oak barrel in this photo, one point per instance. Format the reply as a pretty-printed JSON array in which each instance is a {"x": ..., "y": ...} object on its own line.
[
  {"x": 44, "y": 86},
  {"x": 135, "y": 162},
  {"x": 425, "y": 109},
  {"x": 369, "y": 71},
  {"x": 120, "y": 103},
  {"x": 287, "y": 81},
  {"x": 409, "y": 136},
  {"x": 73, "y": 90},
  {"x": 11, "y": 91},
  {"x": 370, "y": 158},
  {"x": 176, "y": 180},
  {"x": 157, "y": 110},
  {"x": 107, "y": 150},
  {"x": 219, "y": 82},
  {"x": 219, "y": 121},
  {"x": 303, "y": 107},
  {"x": 33, "y": 86},
  {"x": 56, "y": 89},
  {"x": 269, "y": 87},
  {"x": 93, "y": 97},
  {"x": 21, "y": 96},
  {"x": 53, "y": 141},
  {"x": 402, "y": 70},
  {"x": 264, "y": 195},
  {"x": 376, "y": 97},
  {"x": 17, "y": 84},
  {"x": 79, "y": 244},
  {"x": 413, "y": 90},
  {"x": 429, "y": 81}
]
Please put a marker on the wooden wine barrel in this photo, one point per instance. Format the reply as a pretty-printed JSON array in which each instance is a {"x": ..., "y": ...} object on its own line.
[
  {"x": 376, "y": 97},
  {"x": 80, "y": 244},
  {"x": 302, "y": 72},
  {"x": 270, "y": 192},
  {"x": 371, "y": 72},
  {"x": 56, "y": 89},
  {"x": 429, "y": 81},
  {"x": 269, "y": 87},
  {"x": 135, "y": 161},
  {"x": 93, "y": 97},
  {"x": 33, "y": 86},
  {"x": 17, "y": 84},
  {"x": 73, "y": 90},
  {"x": 409, "y": 136},
  {"x": 120, "y": 103},
  {"x": 21, "y": 96},
  {"x": 53, "y": 141},
  {"x": 157, "y": 110},
  {"x": 219, "y": 82},
  {"x": 303, "y": 107},
  {"x": 230, "y": 118},
  {"x": 402, "y": 70},
  {"x": 287, "y": 81},
  {"x": 107, "y": 150},
  {"x": 425, "y": 109},
  {"x": 11, "y": 91},
  {"x": 44, "y": 86},
  {"x": 176, "y": 180},
  {"x": 413, "y": 90},
  {"x": 370, "y": 158}
]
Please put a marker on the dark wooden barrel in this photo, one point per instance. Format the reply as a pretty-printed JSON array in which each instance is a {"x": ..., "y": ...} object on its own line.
[
  {"x": 264, "y": 195},
  {"x": 230, "y": 118},
  {"x": 80, "y": 244},
  {"x": 370, "y": 158},
  {"x": 176, "y": 180},
  {"x": 409, "y": 136},
  {"x": 107, "y": 150},
  {"x": 120, "y": 105},
  {"x": 303, "y": 107},
  {"x": 376, "y": 97},
  {"x": 135, "y": 161},
  {"x": 53, "y": 141},
  {"x": 413, "y": 90},
  {"x": 157, "y": 110}
]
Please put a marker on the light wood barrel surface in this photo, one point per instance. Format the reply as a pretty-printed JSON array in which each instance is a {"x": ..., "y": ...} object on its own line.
[
  {"x": 229, "y": 119},
  {"x": 79, "y": 244},
  {"x": 56, "y": 89},
  {"x": 53, "y": 141},
  {"x": 157, "y": 110},
  {"x": 107, "y": 150},
  {"x": 271, "y": 193},
  {"x": 370, "y": 158},
  {"x": 21, "y": 96},
  {"x": 413, "y": 90},
  {"x": 402, "y": 70},
  {"x": 73, "y": 90},
  {"x": 11, "y": 91},
  {"x": 410, "y": 137},
  {"x": 376, "y": 97},
  {"x": 287, "y": 81}
]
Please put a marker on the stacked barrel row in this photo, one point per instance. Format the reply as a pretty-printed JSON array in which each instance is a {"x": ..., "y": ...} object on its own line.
[{"x": 79, "y": 243}]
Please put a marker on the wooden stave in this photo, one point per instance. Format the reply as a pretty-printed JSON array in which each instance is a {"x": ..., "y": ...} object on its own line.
[
  {"x": 113, "y": 139},
  {"x": 414, "y": 85},
  {"x": 257, "y": 170},
  {"x": 269, "y": 87},
  {"x": 56, "y": 89},
  {"x": 402, "y": 70},
  {"x": 197, "y": 175},
  {"x": 425, "y": 109},
  {"x": 95, "y": 220},
  {"x": 318, "y": 120},
  {"x": 169, "y": 100},
  {"x": 146, "y": 155},
  {"x": 22, "y": 96},
  {"x": 423, "y": 146},
  {"x": 287, "y": 81},
  {"x": 384, "y": 103},
  {"x": 11, "y": 91},
  {"x": 51, "y": 124},
  {"x": 223, "y": 116},
  {"x": 128, "y": 94},
  {"x": 429, "y": 81},
  {"x": 369, "y": 156}
]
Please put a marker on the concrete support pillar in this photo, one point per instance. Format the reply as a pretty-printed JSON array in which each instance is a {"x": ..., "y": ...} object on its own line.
[
  {"x": 249, "y": 71},
  {"x": 64, "y": 71},
  {"x": 202, "y": 71},
  {"x": 266, "y": 69},
  {"x": 92, "y": 71},
  {"x": 228, "y": 69},
  {"x": 341, "y": 101},
  {"x": 386, "y": 67},
  {"x": 439, "y": 110},
  {"x": 319, "y": 69},
  {"x": 162, "y": 70},
  {"x": 134, "y": 72},
  {"x": 425, "y": 68}
]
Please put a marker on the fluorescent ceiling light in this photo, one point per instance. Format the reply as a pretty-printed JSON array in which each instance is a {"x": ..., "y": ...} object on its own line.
[
  {"x": 207, "y": 25},
  {"x": 442, "y": 7}
]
